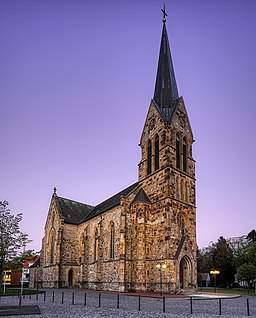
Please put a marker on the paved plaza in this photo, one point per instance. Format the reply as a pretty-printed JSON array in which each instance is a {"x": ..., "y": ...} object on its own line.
[{"x": 106, "y": 305}]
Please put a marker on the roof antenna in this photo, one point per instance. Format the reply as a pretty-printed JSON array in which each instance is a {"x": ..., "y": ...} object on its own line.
[
  {"x": 164, "y": 14},
  {"x": 54, "y": 190}
]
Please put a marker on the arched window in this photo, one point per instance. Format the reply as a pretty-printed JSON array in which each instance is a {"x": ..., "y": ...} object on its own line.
[
  {"x": 52, "y": 247},
  {"x": 112, "y": 241},
  {"x": 181, "y": 224},
  {"x": 96, "y": 243},
  {"x": 149, "y": 157},
  {"x": 156, "y": 152},
  {"x": 184, "y": 155},
  {"x": 177, "y": 152}
]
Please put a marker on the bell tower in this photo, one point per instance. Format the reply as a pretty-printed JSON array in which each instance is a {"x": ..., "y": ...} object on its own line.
[{"x": 167, "y": 176}]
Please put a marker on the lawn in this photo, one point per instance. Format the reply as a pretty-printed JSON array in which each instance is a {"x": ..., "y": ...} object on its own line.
[
  {"x": 16, "y": 292},
  {"x": 237, "y": 291}
]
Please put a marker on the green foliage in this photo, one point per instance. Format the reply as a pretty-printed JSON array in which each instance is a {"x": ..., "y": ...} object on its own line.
[
  {"x": 247, "y": 272},
  {"x": 11, "y": 238},
  {"x": 218, "y": 256}
]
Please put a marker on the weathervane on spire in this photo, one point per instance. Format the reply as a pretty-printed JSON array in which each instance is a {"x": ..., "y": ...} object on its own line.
[{"x": 164, "y": 14}]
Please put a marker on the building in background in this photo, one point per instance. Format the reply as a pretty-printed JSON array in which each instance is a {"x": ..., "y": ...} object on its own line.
[{"x": 146, "y": 232}]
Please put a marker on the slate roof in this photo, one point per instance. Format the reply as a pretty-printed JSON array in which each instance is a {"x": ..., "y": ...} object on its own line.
[
  {"x": 72, "y": 211},
  {"x": 109, "y": 203},
  {"x": 141, "y": 196},
  {"x": 166, "y": 91}
]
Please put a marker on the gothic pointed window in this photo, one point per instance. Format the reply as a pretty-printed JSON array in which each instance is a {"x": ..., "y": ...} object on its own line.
[
  {"x": 96, "y": 242},
  {"x": 112, "y": 241},
  {"x": 156, "y": 152},
  {"x": 184, "y": 155},
  {"x": 177, "y": 152},
  {"x": 149, "y": 157},
  {"x": 52, "y": 247}
]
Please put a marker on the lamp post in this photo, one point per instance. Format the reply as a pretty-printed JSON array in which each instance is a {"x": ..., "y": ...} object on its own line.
[
  {"x": 214, "y": 273},
  {"x": 160, "y": 266}
]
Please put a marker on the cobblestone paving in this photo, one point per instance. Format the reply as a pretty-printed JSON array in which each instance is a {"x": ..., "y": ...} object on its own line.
[{"x": 129, "y": 306}]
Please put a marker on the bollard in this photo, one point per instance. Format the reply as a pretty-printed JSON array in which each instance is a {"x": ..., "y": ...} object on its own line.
[
  {"x": 219, "y": 306},
  {"x": 139, "y": 302},
  {"x": 62, "y": 298},
  {"x": 30, "y": 296},
  {"x": 117, "y": 306},
  {"x": 20, "y": 301},
  {"x": 99, "y": 300},
  {"x": 248, "y": 307},
  {"x": 85, "y": 299},
  {"x": 37, "y": 296},
  {"x": 73, "y": 298},
  {"x": 44, "y": 295},
  {"x": 24, "y": 296},
  {"x": 163, "y": 304},
  {"x": 191, "y": 306},
  {"x": 53, "y": 296}
]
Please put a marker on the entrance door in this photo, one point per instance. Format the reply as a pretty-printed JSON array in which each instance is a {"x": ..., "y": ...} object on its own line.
[
  {"x": 185, "y": 272},
  {"x": 70, "y": 277}
]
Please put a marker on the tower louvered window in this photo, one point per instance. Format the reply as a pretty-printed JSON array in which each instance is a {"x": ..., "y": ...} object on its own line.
[
  {"x": 149, "y": 157},
  {"x": 178, "y": 152},
  {"x": 184, "y": 155},
  {"x": 156, "y": 152},
  {"x": 112, "y": 241}
]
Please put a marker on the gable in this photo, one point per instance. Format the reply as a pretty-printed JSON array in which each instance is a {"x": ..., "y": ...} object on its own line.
[
  {"x": 180, "y": 120},
  {"x": 152, "y": 123}
]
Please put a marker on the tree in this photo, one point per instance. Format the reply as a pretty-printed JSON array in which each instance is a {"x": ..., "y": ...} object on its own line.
[
  {"x": 221, "y": 255},
  {"x": 247, "y": 272},
  {"x": 251, "y": 236},
  {"x": 11, "y": 237}
]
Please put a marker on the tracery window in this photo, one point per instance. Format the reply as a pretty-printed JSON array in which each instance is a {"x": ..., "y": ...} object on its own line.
[
  {"x": 112, "y": 241},
  {"x": 149, "y": 157},
  {"x": 184, "y": 154},
  {"x": 177, "y": 152},
  {"x": 156, "y": 152}
]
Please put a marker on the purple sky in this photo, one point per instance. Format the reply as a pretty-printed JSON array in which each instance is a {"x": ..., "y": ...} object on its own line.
[{"x": 76, "y": 80}]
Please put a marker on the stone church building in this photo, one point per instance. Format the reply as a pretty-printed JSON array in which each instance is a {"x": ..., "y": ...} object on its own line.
[{"x": 123, "y": 243}]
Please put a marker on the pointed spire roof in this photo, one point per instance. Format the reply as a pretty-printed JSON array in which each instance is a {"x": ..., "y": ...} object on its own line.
[{"x": 166, "y": 92}]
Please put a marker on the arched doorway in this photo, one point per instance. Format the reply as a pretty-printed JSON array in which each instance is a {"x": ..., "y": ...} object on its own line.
[
  {"x": 185, "y": 272},
  {"x": 70, "y": 277}
]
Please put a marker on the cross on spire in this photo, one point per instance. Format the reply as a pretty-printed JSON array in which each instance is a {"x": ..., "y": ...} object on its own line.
[{"x": 164, "y": 14}]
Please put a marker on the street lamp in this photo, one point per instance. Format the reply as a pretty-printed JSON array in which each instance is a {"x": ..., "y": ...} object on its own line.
[
  {"x": 160, "y": 266},
  {"x": 214, "y": 273}
]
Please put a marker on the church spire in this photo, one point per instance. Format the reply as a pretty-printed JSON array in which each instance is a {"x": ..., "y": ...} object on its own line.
[{"x": 166, "y": 92}]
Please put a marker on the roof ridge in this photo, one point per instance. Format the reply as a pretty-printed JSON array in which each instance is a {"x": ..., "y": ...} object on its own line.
[
  {"x": 99, "y": 208},
  {"x": 74, "y": 201}
]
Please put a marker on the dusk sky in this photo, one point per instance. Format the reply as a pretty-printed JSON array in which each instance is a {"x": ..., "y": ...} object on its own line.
[{"x": 76, "y": 80}]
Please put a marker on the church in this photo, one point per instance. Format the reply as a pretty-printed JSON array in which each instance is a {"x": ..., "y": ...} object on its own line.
[{"x": 144, "y": 237}]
